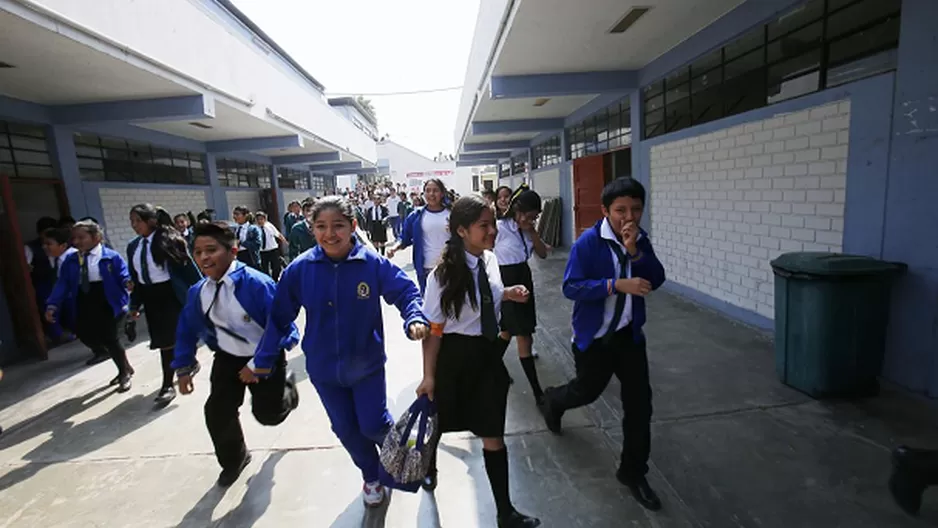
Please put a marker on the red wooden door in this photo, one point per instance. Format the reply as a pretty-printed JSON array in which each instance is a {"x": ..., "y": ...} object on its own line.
[
  {"x": 588, "y": 182},
  {"x": 17, "y": 285}
]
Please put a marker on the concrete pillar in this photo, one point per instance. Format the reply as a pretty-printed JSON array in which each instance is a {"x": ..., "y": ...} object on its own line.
[
  {"x": 219, "y": 201},
  {"x": 61, "y": 144},
  {"x": 912, "y": 191},
  {"x": 278, "y": 196}
]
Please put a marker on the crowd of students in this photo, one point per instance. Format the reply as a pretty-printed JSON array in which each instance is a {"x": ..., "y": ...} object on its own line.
[{"x": 196, "y": 280}]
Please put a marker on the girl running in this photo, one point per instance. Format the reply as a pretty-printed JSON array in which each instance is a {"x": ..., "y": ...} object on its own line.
[
  {"x": 427, "y": 230},
  {"x": 162, "y": 272},
  {"x": 340, "y": 283},
  {"x": 94, "y": 281},
  {"x": 463, "y": 371},
  {"x": 249, "y": 237}
]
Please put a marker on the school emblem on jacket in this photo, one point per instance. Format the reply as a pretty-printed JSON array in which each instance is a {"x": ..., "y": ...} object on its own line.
[
  {"x": 364, "y": 292},
  {"x": 247, "y": 318}
]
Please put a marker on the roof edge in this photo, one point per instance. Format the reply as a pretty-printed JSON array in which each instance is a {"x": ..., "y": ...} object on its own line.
[{"x": 353, "y": 101}]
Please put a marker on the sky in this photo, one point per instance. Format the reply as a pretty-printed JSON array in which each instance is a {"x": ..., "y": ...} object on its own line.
[{"x": 380, "y": 46}]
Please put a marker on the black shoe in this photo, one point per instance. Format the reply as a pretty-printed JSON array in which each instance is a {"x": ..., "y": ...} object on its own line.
[
  {"x": 429, "y": 482},
  {"x": 227, "y": 477},
  {"x": 517, "y": 520},
  {"x": 907, "y": 483},
  {"x": 97, "y": 358},
  {"x": 641, "y": 491},
  {"x": 166, "y": 395},
  {"x": 552, "y": 418},
  {"x": 123, "y": 383}
]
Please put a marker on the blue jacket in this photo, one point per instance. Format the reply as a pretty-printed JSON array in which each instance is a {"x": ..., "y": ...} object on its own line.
[
  {"x": 114, "y": 276},
  {"x": 344, "y": 336},
  {"x": 255, "y": 291},
  {"x": 412, "y": 235},
  {"x": 300, "y": 239},
  {"x": 586, "y": 282},
  {"x": 181, "y": 277},
  {"x": 252, "y": 242}
]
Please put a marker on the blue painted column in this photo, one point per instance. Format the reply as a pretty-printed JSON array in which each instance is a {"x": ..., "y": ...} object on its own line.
[
  {"x": 911, "y": 214},
  {"x": 61, "y": 143},
  {"x": 219, "y": 201},
  {"x": 278, "y": 196},
  {"x": 566, "y": 193}
]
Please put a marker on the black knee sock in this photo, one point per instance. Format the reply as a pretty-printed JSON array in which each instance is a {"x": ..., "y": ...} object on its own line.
[
  {"x": 166, "y": 356},
  {"x": 530, "y": 370},
  {"x": 496, "y": 466}
]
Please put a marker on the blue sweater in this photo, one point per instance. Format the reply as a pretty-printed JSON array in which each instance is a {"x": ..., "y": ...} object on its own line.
[
  {"x": 586, "y": 282},
  {"x": 181, "y": 276},
  {"x": 344, "y": 336},
  {"x": 114, "y": 276},
  {"x": 255, "y": 292},
  {"x": 300, "y": 239},
  {"x": 412, "y": 235},
  {"x": 252, "y": 242}
]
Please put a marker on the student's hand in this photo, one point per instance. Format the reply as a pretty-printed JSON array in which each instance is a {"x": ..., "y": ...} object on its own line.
[
  {"x": 185, "y": 385},
  {"x": 418, "y": 331},
  {"x": 247, "y": 376},
  {"x": 391, "y": 253},
  {"x": 50, "y": 315},
  {"x": 630, "y": 237},
  {"x": 427, "y": 386},
  {"x": 634, "y": 286},
  {"x": 518, "y": 294},
  {"x": 134, "y": 315}
]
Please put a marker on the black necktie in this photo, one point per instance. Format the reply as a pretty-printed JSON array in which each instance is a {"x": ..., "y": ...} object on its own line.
[
  {"x": 620, "y": 297},
  {"x": 238, "y": 234},
  {"x": 208, "y": 317},
  {"x": 55, "y": 265},
  {"x": 524, "y": 243},
  {"x": 263, "y": 239},
  {"x": 144, "y": 267},
  {"x": 489, "y": 321},
  {"x": 85, "y": 281}
]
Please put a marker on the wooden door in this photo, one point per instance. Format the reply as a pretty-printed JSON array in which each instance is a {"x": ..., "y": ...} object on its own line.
[
  {"x": 17, "y": 285},
  {"x": 588, "y": 182}
]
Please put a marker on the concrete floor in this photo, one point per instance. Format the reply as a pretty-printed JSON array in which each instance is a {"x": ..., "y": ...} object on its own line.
[{"x": 731, "y": 445}]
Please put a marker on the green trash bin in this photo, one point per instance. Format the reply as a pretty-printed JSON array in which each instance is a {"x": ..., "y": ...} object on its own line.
[{"x": 831, "y": 312}]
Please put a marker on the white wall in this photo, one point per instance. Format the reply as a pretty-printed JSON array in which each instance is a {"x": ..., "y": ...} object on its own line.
[
  {"x": 117, "y": 201},
  {"x": 293, "y": 195},
  {"x": 210, "y": 47},
  {"x": 725, "y": 203},
  {"x": 546, "y": 182},
  {"x": 251, "y": 199},
  {"x": 402, "y": 160}
]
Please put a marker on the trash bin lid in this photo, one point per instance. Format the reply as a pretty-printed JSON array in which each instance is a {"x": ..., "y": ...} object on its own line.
[{"x": 834, "y": 264}]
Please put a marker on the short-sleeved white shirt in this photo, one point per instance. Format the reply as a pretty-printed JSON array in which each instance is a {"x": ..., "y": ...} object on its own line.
[
  {"x": 470, "y": 320},
  {"x": 435, "y": 227}
]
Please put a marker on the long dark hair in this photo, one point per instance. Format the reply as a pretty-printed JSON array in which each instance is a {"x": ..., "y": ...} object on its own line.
[
  {"x": 453, "y": 273},
  {"x": 499, "y": 214},
  {"x": 523, "y": 200},
  {"x": 168, "y": 244},
  {"x": 444, "y": 192}
]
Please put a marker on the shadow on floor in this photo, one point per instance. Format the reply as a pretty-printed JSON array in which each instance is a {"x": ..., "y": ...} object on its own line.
[{"x": 257, "y": 498}]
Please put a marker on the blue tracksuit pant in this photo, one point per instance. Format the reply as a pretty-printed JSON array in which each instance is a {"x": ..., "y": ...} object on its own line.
[{"x": 360, "y": 418}]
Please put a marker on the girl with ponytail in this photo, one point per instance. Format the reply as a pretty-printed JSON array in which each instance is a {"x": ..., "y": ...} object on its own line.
[
  {"x": 517, "y": 241},
  {"x": 463, "y": 371},
  {"x": 162, "y": 271}
]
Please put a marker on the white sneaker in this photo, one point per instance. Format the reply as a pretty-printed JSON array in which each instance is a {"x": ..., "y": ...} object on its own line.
[{"x": 373, "y": 493}]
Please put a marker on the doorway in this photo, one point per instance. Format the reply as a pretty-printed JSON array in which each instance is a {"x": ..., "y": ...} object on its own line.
[
  {"x": 590, "y": 175},
  {"x": 22, "y": 202}
]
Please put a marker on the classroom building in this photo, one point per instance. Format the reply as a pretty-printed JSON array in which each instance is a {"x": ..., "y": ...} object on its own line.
[
  {"x": 758, "y": 127},
  {"x": 186, "y": 104}
]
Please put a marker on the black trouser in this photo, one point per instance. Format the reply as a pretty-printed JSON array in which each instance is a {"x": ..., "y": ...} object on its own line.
[
  {"x": 97, "y": 327},
  {"x": 270, "y": 263},
  {"x": 627, "y": 359},
  {"x": 272, "y": 400}
]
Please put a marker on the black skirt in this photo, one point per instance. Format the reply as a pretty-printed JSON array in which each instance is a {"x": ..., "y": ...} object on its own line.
[
  {"x": 378, "y": 232},
  {"x": 518, "y": 319},
  {"x": 471, "y": 392},
  {"x": 95, "y": 318},
  {"x": 161, "y": 308}
]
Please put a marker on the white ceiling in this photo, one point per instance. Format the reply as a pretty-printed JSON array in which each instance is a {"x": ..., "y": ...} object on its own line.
[
  {"x": 501, "y": 109},
  {"x": 228, "y": 123},
  {"x": 52, "y": 69},
  {"x": 556, "y": 36},
  {"x": 487, "y": 138}
]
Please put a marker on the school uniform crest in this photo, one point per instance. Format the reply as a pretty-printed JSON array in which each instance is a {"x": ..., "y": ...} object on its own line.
[
  {"x": 364, "y": 291},
  {"x": 247, "y": 318}
]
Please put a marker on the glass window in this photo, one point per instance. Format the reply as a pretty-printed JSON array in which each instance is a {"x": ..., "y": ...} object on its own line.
[
  {"x": 755, "y": 38},
  {"x": 796, "y": 18},
  {"x": 547, "y": 153},
  {"x": 609, "y": 128},
  {"x": 861, "y": 15},
  {"x": 108, "y": 159},
  {"x": 24, "y": 151},
  {"x": 871, "y": 40},
  {"x": 707, "y": 62},
  {"x": 795, "y": 43}
]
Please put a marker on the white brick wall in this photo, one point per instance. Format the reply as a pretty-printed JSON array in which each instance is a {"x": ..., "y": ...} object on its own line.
[
  {"x": 546, "y": 183},
  {"x": 117, "y": 201},
  {"x": 289, "y": 196},
  {"x": 251, "y": 199},
  {"x": 725, "y": 203}
]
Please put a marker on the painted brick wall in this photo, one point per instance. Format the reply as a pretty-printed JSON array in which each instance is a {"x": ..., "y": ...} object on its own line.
[
  {"x": 289, "y": 196},
  {"x": 117, "y": 201},
  {"x": 546, "y": 182},
  {"x": 725, "y": 203},
  {"x": 250, "y": 199}
]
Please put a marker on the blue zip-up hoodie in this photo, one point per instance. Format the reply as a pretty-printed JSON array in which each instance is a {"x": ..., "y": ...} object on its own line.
[
  {"x": 344, "y": 336},
  {"x": 255, "y": 292},
  {"x": 412, "y": 235},
  {"x": 114, "y": 276},
  {"x": 182, "y": 277},
  {"x": 586, "y": 282}
]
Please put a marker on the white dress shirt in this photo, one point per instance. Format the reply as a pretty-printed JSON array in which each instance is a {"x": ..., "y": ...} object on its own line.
[
  {"x": 393, "y": 203},
  {"x": 435, "y": 226},
  {"x": 241, "y": 231},
  {"x": 509, "y": 247},
  {"x": 57, "y": 262},
  {"x": 610, "y": 308},
  {"x": 94, "y": 264},
  {"x": 28, "y": 252},
  {"x": 470, "y": 321},
  {"x": 228, "y": 313},
  {"x": 158, "y": 273},
  {"x": 271, "y": 234}
]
